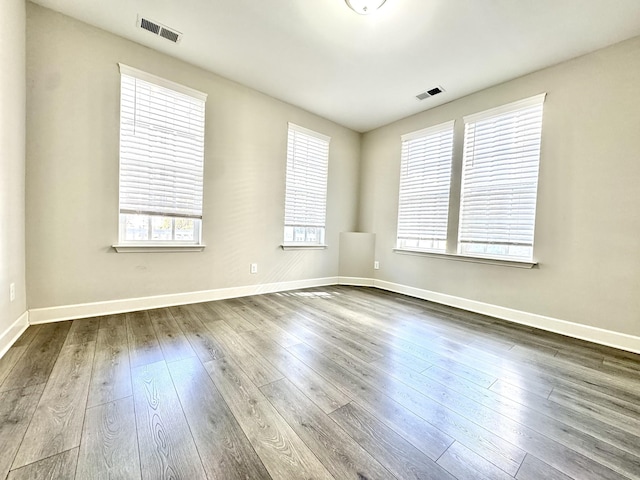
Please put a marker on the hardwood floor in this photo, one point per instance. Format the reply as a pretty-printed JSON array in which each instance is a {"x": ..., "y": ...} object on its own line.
[{"x": 332, "y": 382}]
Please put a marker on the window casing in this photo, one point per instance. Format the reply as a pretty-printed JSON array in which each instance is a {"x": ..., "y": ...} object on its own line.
[
  {"x": 497, "y": 171},
  {"x": 161, "y": 160},
  {"x": 500, "y": 180},
  {"x": 425, "y": 179},
  {"x": 306, "y": 187}
]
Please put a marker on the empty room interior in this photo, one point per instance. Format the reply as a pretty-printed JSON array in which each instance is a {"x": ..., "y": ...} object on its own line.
[{"x": 358, "y": 239}]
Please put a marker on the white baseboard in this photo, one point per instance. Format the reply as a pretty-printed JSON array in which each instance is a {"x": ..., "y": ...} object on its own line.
[
  {"x": 69, "y": 312},
  {"x": 356, "y": 281},
  {"x": 12, "y": 334},
  {"x": 601, "y": 336},
  {"x": 110, "y": 307}
]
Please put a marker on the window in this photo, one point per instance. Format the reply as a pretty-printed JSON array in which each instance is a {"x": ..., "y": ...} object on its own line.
[
  {"x": 425, "y": 179},
  {"x": 306, "y": 187},
  {"x": 500, "y": 180},
  {"x": 161, "y": 160}
]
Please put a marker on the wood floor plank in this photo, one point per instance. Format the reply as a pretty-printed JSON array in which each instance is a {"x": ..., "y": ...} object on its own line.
[
  {"x": 339, "y": 314},
  {"x": 483, "y": 441},
  {"x": 27, "y": 336},
  {"x": 61, "y": 466},
  {"x": 39, "y": 357},
  {"x": 173, "y": 343},
  {"x": 259, "y": 371},
  {"x": 111, "y": 376},
  {"x": 9, "y": 360},
  {"x": 625, "y": 436},
  {"x": 264, "y": 324},
  {"x": 416, "y": 342},
  {"x": 224, "y": 312},
  {"x": 202, "y": 341},
  {"x": 16, "y": 410},
  {"x": 143, "y": 343},
  {"x": 396, "y": 454},
  {"x": 504, "y": 370},
  {"x": 598, "y": 405},
  {"x": 83, "y": 331},
  {"x": 401, "y": 344},
  {"x": 422, "y": 434},
  {"x": 204, "y": 312},
  {"x": 464, "y": 464},
  {"x": 321, "y": 392},
  {"x": 336, "y": 337},
  {"x": 622, "y": 384},
  {"x": 225, "y": 450},
  {"x": 631, "y": 364},
  {"x": 109, "y": 447},
  {"x": 308, "y": 333},
  {"x": 557, "y": 443},
  {"x": 553, "y": 372},
  {"x": 167, "y": 449},
  {"x": 283, "y": 453},
  {"x": 338, "y": 452},
  {"x": 465, "y": 394},
  {"x": 534, "y": 469},
  {"x": 57, "y": 422}
]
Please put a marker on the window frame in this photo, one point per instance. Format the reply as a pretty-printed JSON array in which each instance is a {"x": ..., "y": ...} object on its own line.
[
  {"x": 197, "y": 100},
  {"x": 293, "y": 207},
  {"x": 430, "y": 159},
  {"x": 455, "y": 198}
]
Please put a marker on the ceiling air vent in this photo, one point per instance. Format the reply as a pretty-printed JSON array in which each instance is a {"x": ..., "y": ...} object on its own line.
[
  {"x": 430, "y": 93},
  {"x": 159, "y": 29}
]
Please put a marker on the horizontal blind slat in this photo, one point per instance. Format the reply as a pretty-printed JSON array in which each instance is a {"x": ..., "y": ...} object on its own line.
[
  {"x": 425, "y": 179},
  {"x": 500, "y": 177},
  {"x": 161, "y": 149},
  {"x": 306, "y": 178}
]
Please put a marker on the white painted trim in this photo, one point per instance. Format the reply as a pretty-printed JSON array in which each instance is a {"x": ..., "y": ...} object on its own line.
[
  {"x": 83, "y": 310},
  {"x": 301, "y": 246},
  {"x": 9, "y": 337},
  {"x": 468, "y": 258},
  {"x": 509, "y": 107},
  {"x": 356, "y": 281},
  {"x": 442, "y": 127},
  {"x": 163, "y": 82},
  {"x": 139, "y": 248},
  {"x": 601, "y": 336}
]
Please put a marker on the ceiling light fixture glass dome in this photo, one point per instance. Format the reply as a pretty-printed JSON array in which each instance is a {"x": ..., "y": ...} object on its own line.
[{"x": 365, "y": 7}]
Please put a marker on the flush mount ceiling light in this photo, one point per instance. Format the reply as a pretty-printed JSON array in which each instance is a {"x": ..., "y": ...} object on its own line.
[{"x": 364, "y": 7}]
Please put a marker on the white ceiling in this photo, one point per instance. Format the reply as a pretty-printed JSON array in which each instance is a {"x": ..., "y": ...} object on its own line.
[{"x": 364, "y": 71}]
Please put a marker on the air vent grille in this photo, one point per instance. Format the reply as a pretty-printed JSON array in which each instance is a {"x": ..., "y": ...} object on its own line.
[
  {"x": 170, "y": 35},
  {"x": 158, "y": 29},
  {"x": 147, "y": 25},
  {"x": 430, "y": 93}
]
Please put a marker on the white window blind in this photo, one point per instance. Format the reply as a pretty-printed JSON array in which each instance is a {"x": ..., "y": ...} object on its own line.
[
  {"x": 306, "y": 186},
  {"x": 425, "y": 178},
  {"x": 161, "y": 147},
  {"x": 500, "y": 180}
]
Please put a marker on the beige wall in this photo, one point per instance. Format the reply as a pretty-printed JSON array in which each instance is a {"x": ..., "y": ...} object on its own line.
[
  {"x": 357, "y": 251},
  {"x": 12, "y": 160},
  {"x": 588, "y": 221},
  {"x": 72, "y": 171}
]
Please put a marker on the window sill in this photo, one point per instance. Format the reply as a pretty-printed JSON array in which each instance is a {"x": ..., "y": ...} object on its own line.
[
  {"x": 468, "y": 258},
  {"x": 294, "y": 246},
  {"x": 157, "y": 248}
]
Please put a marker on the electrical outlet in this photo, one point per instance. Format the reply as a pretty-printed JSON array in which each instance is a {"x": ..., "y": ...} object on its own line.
[
  {"x": 12, "y": 292},
  {"x": 254, "y": 268},
  {"x": 376, "y": 265}
]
